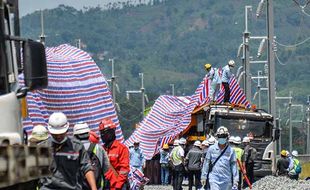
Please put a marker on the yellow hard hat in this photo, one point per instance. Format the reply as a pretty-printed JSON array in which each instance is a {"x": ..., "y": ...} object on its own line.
[
  {"x": 166, "y": 146},
  {"x": 208, "y": 66},
  {"x": 283, "y": 153}
]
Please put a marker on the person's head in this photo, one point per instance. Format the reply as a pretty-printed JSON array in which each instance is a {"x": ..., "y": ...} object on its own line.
[
  {"x": 231, "y": 139},
  {"x": 208, "y": 67},
  {"x": 211, "y": 141},
  {"x": 237, "y": 140},
  {"x": 166, "y": 147},
  {"x": 81, "y": 131},
  {"x": 197, "y": 144},
  {"x": 182, "y": 142},
  {"x": 222, "y": 135},
  {"x": 231, "y": 64},
  {"x": 295, "y": 153},
  {"x": 204, "y": 144},
  {"x": 176, "y": 142},
  {"x": 246, "y": 140},
  {"x": 107, "y": 131},
  {"x": 58, "y": 126},
  {"x": 39, "y": 134},
  {"x": 283, "y": 153},
  {"x": 136, "y": 144}
]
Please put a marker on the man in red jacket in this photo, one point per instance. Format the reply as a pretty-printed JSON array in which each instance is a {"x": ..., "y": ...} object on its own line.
[{"x": 118, "y": 155}]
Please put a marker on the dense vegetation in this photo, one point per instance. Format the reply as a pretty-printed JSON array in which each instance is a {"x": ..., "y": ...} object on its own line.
[{"x": 169, "y": 41}]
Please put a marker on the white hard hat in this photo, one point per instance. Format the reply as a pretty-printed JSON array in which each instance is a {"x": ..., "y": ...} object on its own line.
[
  {"x": 197, "y": 143},
  {"x": 287, "y": 153},
  {"x": 237, "y": 140},
  {"x": 231, "y": 63},
  {"x": 211, "y": 140},
  {"x": 182, "y": 141},
  {"x": 39, "y": 132},
  {"x": 222, "y": 131},
  {"x": 205, "y": 142},
  {"x": 80, "y": 128},
  {"x": 58, "y": 123},
  {"x": 136, "y": 141},
  {"x": 246, "y": 139},
  {"x": 231, "y": 139},
  {"x": 176, "y": 142},
  {"x": 295, "y": 153}
]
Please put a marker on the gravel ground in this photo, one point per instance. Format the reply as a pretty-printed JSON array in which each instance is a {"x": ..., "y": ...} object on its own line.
[
  {"x": 158, "y": 187},
  {"x": 280, "y": 183}
]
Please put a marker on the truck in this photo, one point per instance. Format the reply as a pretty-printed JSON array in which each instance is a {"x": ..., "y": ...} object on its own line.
[
  {"x": 240, "y": 121},
  {"x": 22, "y": 68}
]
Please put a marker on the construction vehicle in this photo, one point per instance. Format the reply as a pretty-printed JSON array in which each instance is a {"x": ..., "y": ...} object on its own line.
[
  {"x": 19, "y": 57},
  {"x": 242, "y": 122}
]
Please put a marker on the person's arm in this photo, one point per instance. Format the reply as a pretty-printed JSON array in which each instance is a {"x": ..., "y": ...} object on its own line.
[
  {"x": 143, "y": 160},
  {"x": 186, "y": 159},
  {"x": 90, "y": 177},
  {"x": 123, "y": 168},
  {"x": 233, "y": 168},
  {"x": 205, "y": 166},
  {"x": 104, "y": 159}
]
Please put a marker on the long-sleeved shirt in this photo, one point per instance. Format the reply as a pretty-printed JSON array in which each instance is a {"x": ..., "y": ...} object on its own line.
[
  {"x": 164, "y": 157},
  {"x": 69, "y": 158},
  {"x": 224, "y": 169},
  {"x": 226, "y": 74},
  {"x": 214, "y": 76},
  {"x": 136, "y": 157}
]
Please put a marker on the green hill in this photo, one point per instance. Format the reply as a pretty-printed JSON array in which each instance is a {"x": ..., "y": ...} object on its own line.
[{"x": 169, "y": 42}]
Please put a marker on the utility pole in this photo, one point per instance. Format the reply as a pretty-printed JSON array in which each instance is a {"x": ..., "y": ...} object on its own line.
[
  {"x": 246, "y": 55},
  {"x": 42, "y": 36},
  {"x": 290, "y": 122},
  {"x": 279, "y": 126},
  {"x": 78, "y": 43},
  {"x": 308, "y": 126},
  {"x": 113, "y": 77},
  {"x": 142, "y": 91},
  {"x": 172, "y": 89}
]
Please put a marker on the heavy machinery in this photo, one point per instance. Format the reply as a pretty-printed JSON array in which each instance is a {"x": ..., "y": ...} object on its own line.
[
  {"x": 242, "y": 122},
  {"x": 19, "y": 164}
]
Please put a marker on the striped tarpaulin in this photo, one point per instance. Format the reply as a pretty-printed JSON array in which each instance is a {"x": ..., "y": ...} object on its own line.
[{"x": 76, "y": 87}]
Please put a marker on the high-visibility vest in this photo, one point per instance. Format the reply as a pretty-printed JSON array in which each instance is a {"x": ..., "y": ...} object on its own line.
[{"x": 239, "y": 153}]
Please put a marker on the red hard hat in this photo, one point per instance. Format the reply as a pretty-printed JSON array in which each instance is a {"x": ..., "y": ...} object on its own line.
[
  {"x": 93, "y": 137},
  {"x": 106, "y": 124}
]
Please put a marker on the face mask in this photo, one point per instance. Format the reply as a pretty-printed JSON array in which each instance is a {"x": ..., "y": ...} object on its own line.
[
  {"x": 57, "y": 142},
  {"x": 108, "y": 136},
  {"x": 222, "y": 141}
]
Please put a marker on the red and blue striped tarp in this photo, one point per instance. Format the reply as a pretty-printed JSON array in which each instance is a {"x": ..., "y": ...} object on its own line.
[
  {"x": 76, "y": 87},
  {"x": 170, "y": 115}
]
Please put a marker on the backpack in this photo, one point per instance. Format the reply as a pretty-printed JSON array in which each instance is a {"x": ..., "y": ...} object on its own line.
[
  {"x": 298, "y": 168},
  {"x": 97, "y": 168}
]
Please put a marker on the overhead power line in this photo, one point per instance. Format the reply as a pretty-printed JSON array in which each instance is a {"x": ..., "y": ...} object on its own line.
[
  {"x": 302, "y": 7},
  {"x": 280, "y": 62},
  {"x": 294, "y": 45}
]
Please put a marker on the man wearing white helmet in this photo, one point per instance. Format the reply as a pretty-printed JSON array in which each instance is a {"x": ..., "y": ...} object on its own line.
[
  {"x": 211, "y": 141},
  {"x": 39, "y": 136},
  {"x": 248, "y": 158},
  {"x": 193, "y": 162},
  {"x": 177, "y": 159},
  {"x": 136, "y": 157},
  {"x": 226, "y": 75},
  {"x": 219, "y": 166},
  {"x": 97, "y": 154},
  {"x": 296, "y": 170},
  {"x": 69, "y": 158}
]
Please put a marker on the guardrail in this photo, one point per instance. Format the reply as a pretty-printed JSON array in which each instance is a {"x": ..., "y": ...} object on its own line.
[{"x": 20, "y": 163}]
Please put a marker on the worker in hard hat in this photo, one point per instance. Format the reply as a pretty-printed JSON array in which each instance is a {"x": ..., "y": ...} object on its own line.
[
  {"x": 238, "y": 152},
  {"x": 223, "y": 174},
  {"x": 118, "y": 155},
  {"x": 248, "y": 158},
  {"x": 213, "y": 75},
  {"x": 193, "y": 163},
  {"x": 69, "y": 160},
  {"x": 39, "y": 136},
  {"x": 164, "y": 164},
  {"x": 136, "y": 157},
  {"x": 81, "y": 131},
  {"x": 177, "y": 159},
  {"x": 226, "y": 75},
  {"x": 283, "y": 164},
  {"x": 296, "y": 170}
]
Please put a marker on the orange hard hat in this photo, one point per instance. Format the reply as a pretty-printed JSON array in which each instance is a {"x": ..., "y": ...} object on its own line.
[
  {"x": 106, "y": 124},
  {"x": 93, "y": 137}
]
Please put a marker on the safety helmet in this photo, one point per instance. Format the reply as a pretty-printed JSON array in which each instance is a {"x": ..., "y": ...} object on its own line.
[
  {"x": 39, "y": 133},
  {"x": 246, "y": 139},
  {"x": 182, "y": 141},
  {"x": 93, "y": 137},
  {"x": 176, "y": 142},
  {"x": 208, "y": 66},
  {"x": 205, "y": 143},
  {"x": 80, "y": 128},
  {"x": 283, "y": 153},
  {"x": 231, "y": 63},
  {"x": 222, "y": 132},
  {"x": 237, "y": 140},
  {"x": 136, "y": 141},
  {"x": 166, "y": 146},
  {"x": 295, "y": 153},
  {"x": 106, "y": 124},
  {"x": 197, "y": 143},
  {"x": 58, "y": 123},
  {"x": 211, "y": 140},
  {"x": 231, "y": 139}
]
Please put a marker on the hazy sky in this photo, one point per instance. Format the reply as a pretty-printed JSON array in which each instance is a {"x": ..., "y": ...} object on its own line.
[{"x": 29, "y": 6}]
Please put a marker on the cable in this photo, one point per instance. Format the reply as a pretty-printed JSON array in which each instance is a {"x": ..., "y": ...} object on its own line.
[
  {"x": 280, "y": 62},
  {"x": 302, "y": 7},
  {"x": 294, "y": 45},
  {"x": 303, "y": 11}
]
